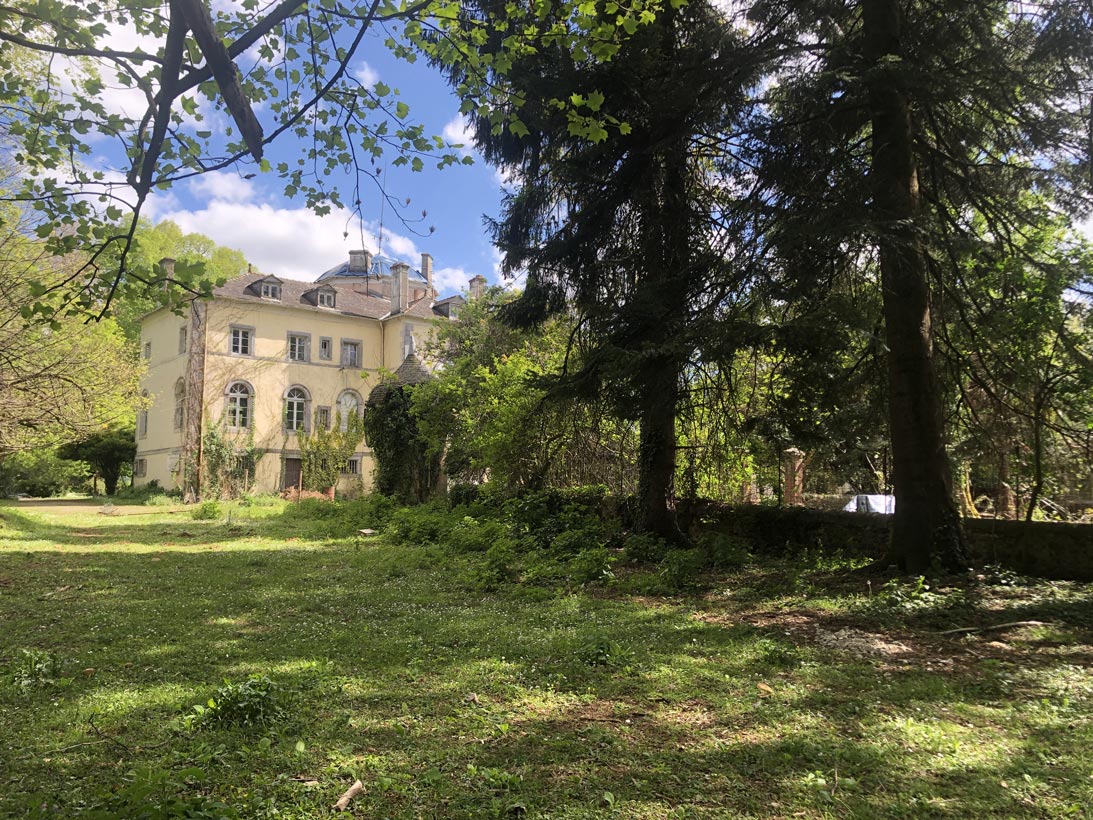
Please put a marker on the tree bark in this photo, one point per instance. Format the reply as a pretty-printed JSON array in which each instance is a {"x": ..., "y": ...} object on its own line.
[
  {"x": 926, "y": 526},
  {"x": 657, "y": 451}
]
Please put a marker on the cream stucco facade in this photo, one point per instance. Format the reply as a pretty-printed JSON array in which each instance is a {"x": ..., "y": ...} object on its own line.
[{"x": 268, "y": 354}]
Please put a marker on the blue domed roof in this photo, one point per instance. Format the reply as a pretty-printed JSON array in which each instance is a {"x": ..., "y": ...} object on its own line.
[{"x": 381, "y": 266}]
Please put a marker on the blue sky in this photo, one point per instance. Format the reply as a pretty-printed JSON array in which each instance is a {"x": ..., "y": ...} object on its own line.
[{"x": 282, "y": 237}]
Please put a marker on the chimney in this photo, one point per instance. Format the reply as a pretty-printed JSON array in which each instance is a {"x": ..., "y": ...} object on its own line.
[
  {"x": 427, "y": 272},
  {"x": 477, "y": 286},
  {"x": 399, "y": 285},
  {"x": 360, "y": 260}
]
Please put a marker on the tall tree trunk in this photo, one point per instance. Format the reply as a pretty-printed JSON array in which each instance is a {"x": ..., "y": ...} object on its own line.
[
  {"x": 657, "y": 451},
  {"x": 926, "y": 525}
]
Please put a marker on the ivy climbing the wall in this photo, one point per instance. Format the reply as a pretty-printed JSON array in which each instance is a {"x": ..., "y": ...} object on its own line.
[
  {"x": 228, "y": 463},
  {"x": 324, "y": 452},
  {"x": 405, "y": 467}
]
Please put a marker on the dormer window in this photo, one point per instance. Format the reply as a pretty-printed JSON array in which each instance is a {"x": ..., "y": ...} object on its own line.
[
  {"x": 326, "y": 298},
  {"x": 271, "y": 290}
]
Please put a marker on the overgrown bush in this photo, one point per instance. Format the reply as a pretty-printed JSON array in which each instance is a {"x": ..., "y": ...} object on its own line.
[
  {"x": 424, "y": 524},
  {"x": 340, "y": 519},
  {"x": 206, "y": 511},
  {"x": 33, "y": 669},
  {"x": 645, "y": 548},
  {"x": 460, "y": 495},
  {"x": 680, "y": 568},
  {"x": 42, "y": 473},
  {"x": 723, "y": 551},
  {"x": 254, "y": 702}
]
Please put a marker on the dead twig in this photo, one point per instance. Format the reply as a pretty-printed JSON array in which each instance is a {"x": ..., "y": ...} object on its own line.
[
  {"x": 969, "y": 630},
  {"x": 350, "y": 793}
]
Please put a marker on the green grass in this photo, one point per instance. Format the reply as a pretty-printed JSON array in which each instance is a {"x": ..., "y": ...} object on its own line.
[{"x": 449, "y": 702}]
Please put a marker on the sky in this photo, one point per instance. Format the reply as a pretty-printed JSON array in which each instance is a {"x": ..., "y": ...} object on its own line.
[{"x": 283, "y": 237}]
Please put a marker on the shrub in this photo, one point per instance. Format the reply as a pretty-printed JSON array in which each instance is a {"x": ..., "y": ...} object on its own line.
[
  {"x": 545, "y": 514},
  {"x": 592, "y": 565},
  {"x": 425, "y": 524},
  {"x": 254, "y": 702},
  {"x": 206, "y": 511},
  {"x": 723, "y": 551},
  {"x": 34, "y": 668},
  {"x": 645, "y": 548},
  {"x": 461, "y": 495},
  {"x": 472, "y": 535},
  {"x": 602, "y": 651},
  {"x": 41, "y": 473},
  {"x": 680, "y": 568}
]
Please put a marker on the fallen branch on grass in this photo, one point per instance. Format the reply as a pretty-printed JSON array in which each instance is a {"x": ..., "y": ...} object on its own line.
[
  {"x": 975, "y": 629},
  {"x": 350, "y": 793}
]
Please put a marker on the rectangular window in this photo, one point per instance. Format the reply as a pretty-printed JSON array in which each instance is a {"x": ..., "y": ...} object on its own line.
[
  {"x": 326, "y": 298},
  {"x": 182, "y": 339},
  {"x": 142, "y": 423},
  {"x": 352, "y": 467},
  {"x": 242, "y": 341},
  {"x": 271, "y": 290},
  {"x": 322, "y": 418},
  {"x": 180, "y": 413},
  {"x": 173, "y": 462},
  {"x": 140, "y": 468},
  {"x": 326, "y": 348},
  {"x": 298, "y": 344},
  {"x": 147, "y": 352},
  {"x": 351, "y": 354}
]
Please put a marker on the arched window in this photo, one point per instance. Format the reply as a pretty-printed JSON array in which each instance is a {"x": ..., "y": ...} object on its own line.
[
  {"x": 296, "y": 400},
  {"x": 349, "y": 404},
  {"x": 180, "y": 403},
  {"x": 239, "y": 404}
]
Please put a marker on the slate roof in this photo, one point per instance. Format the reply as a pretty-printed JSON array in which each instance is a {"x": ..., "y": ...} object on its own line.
[
  {"x": 347, "y": 302},
  {"x": 411, "y": 371},
  {"x": 381, "y": 266}
]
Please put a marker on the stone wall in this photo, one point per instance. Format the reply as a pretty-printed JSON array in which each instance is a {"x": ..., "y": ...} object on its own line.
[{"x": 1049, "y": 550}]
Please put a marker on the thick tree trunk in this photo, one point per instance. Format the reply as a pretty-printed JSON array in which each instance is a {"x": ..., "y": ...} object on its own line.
[
  {"x": 657, "y": 452},
  {"x": 926, "y": 526}
]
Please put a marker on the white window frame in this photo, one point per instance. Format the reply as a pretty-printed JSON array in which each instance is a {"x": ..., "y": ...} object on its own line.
[
  {"x": 271, "y": 290},
  {"x": 295, "y": 409},
  {"x": 303, "y": 346},
  {"x": 354, "y": 345},
  {"x": 235, "y": 342},
  {"x": 326, "y": 298},
  {"x": 233, "y": 409}
]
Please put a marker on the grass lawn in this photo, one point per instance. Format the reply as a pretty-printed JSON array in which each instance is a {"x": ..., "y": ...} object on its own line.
[{"x": 786, "y": 689}]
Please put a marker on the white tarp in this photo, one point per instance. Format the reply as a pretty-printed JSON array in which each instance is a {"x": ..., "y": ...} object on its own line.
[{"x": 883, "y": 504}]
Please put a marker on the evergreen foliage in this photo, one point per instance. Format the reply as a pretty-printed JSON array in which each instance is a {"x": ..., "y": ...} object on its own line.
[{"x": 406, "y": 466}]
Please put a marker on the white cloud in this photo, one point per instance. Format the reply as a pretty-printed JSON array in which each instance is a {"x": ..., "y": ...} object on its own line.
[
  {"x": 291, "y": 242},
  {"x": 224, "y": 186},
  {"x": 458, "y": 131},
  {"x": 451, "y": 280},
  {"x": 367, "y": 75}
]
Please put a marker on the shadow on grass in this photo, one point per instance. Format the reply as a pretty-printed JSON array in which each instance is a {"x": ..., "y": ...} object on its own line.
[{"x": 451, "y": 703}]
